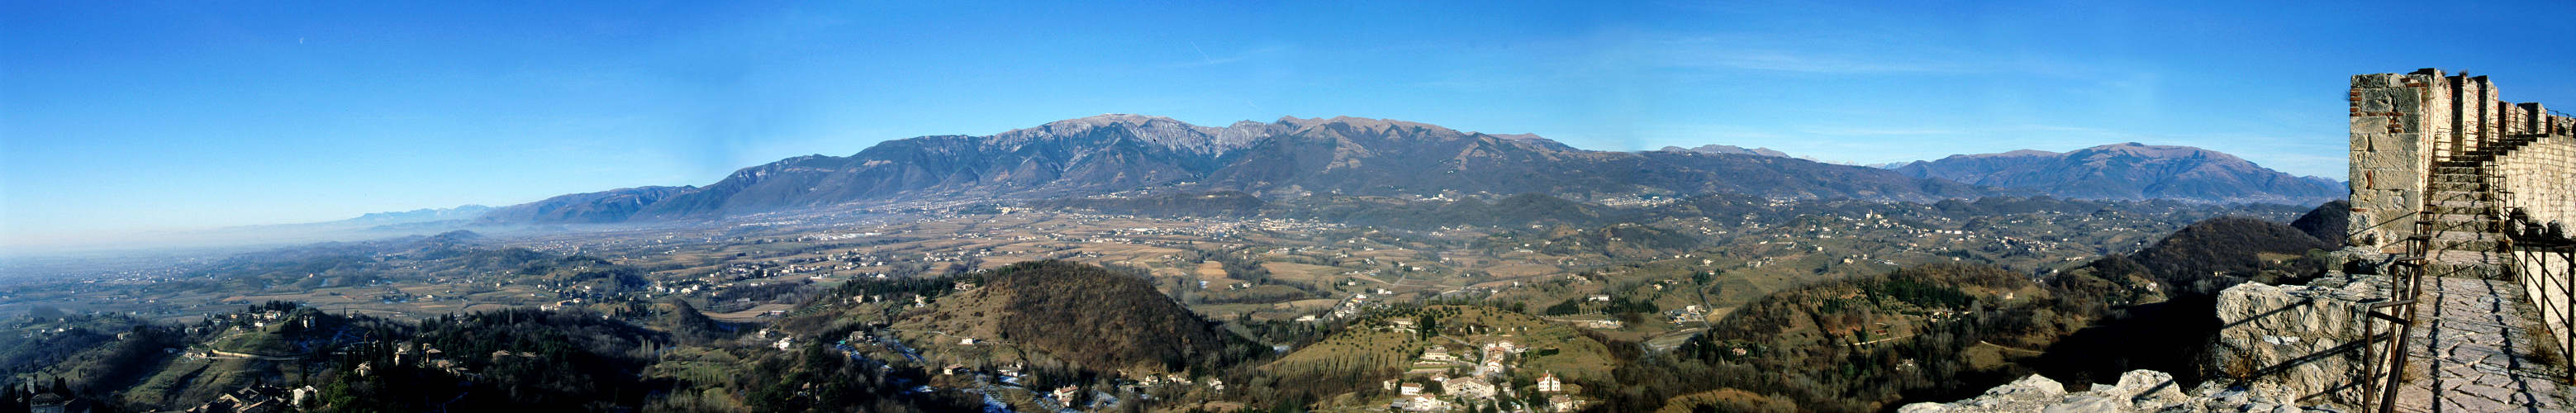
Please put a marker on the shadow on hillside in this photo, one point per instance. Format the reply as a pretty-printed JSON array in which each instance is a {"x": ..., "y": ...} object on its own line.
[{"x": 2171, "y": 337}]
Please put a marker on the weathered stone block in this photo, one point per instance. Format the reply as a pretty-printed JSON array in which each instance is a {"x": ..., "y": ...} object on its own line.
[{"x": 2273, "y": 331}]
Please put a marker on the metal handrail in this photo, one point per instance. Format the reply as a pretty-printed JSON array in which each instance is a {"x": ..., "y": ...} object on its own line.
[
  {"x": 2389, "y": 362},
  {"x": 2519, "y": 242},
  {"x": 2405, "y": 281}
]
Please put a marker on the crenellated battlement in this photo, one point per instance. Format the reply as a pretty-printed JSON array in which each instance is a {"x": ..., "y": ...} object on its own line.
[
  {"x": 2403, "y": 125},
  {"x": 2458, "y": 195}
]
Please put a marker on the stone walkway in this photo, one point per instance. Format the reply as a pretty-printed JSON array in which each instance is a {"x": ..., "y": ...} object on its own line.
[
  {"x": 2471, "y": 354},
  {"x": 2474, "y": 348}
]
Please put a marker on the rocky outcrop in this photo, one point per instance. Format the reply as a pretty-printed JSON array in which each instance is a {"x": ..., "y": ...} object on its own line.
[
  {"x": 2278, "y": 346},
  {"x": 2137, "y": 391},
  {"x": 2296, "y": 341}
]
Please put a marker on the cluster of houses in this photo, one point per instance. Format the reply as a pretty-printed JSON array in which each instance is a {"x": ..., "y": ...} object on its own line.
[
  {"x": 259, "y": 319},
  {"x": 1688, "y": 313},
  {"x": 434, "y": 358},
  {"x": 1457, "y": 392},
  {"x": 1638, "y": 202},
  {"x": 259, "y": 398},
  {"x": 1491, "y": 366},
  {"x": 1349, "y": 307},
  {"x": 1015, "y": 375}
]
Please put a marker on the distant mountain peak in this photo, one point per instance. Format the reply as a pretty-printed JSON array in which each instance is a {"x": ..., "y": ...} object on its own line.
[
  {"x": 1206, "y": 139},
  {"x": 2020, "y": 153},
  {"x": 1729, "y": 149},
  {"x": 1107, "y": 119},
  {"x": 1158, "y": 130},
  {"x": 2139, "y": 149},
  {"x": 1358, "y": 123}
]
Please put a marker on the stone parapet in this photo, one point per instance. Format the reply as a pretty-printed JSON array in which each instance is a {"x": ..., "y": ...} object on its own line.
[{"x": 2292, "y": 342}]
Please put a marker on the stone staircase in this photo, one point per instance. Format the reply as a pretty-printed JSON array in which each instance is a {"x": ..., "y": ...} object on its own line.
[
  {"x": 2462, "y": 215},
  {"x": 2461, "y": 220}
]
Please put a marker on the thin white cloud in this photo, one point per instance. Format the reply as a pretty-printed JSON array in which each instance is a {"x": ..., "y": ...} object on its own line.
[{"x": 1206, "y": 59}]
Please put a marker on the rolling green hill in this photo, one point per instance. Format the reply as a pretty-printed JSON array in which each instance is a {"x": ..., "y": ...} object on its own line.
[{"x": 1085, "y": 316}]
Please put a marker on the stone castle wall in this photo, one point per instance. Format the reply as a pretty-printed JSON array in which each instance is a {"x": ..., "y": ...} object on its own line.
[
  {"x": 2539, "y": 177},
  {"x": 2542, "y": 178},
  {"x": 2390, "y": 148},
  {"x": 2401, "y": 124}
]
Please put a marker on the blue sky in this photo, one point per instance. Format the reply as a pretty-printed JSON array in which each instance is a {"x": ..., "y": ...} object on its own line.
[{"x": 123, "y": 117}]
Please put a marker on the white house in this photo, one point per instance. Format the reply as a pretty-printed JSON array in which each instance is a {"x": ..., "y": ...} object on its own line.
[
  {"x": 1421, "y": 403},
  {"x": 1436, "y": 354},
  {"x": 1467, "y": 388},
  {"x": 1065, "y": 394}
]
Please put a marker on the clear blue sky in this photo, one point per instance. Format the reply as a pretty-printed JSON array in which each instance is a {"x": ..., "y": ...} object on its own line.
[{"x": 119, "y": 117}]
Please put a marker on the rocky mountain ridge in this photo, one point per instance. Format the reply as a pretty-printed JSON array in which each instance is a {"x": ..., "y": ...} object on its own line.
[{"x": 1730, "y": 149}]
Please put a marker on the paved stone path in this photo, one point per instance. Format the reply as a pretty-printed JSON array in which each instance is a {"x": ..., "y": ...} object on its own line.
[{"x": 2470, "y": 353}]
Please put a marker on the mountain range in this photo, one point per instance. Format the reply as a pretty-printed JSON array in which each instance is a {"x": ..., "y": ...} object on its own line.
[
  {"x": 420, "y": 215},
  {"x": 1299, "y": 157},
  {"x": 2131, "y": 171},
  {"x": 1287, "y": 158}
]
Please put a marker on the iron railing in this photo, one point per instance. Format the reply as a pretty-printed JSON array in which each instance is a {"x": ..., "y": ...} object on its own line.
[{"x": 2539, "y": 256}]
